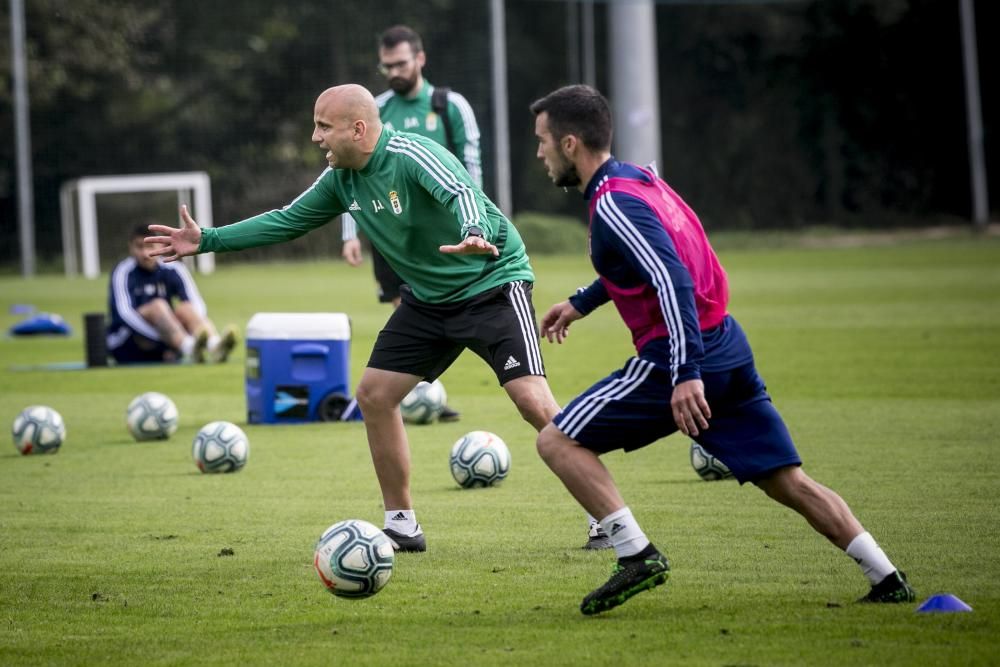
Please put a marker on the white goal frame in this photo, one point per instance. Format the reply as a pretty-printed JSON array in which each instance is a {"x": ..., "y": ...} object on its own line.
[{"x": 81, "y": 194}]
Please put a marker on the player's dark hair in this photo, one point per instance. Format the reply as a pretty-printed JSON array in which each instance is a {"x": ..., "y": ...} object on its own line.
[
  {"x": 578, "y": 110},
  {"x": 141, "y": 230},
  {"x": 398, "y": 34}
]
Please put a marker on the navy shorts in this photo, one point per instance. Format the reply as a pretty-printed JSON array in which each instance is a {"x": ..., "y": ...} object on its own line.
[
  {"x": 135, "y": 348},
  {"x": 630, "y": 409},
  {"x": 424, "y": 339}
]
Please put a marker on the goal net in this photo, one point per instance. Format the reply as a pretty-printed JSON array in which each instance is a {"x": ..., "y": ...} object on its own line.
[{"x": 78, "y": 202}]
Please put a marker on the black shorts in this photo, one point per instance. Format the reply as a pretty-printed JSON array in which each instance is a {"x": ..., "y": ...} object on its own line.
[
  {"x": 387, "y": 279},
  {"x": 424, "y": 339}
]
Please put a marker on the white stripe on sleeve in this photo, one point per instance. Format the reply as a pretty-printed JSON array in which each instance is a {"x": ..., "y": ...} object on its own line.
[
  {"x": 348, "y": 228},
  {"x": 123, "y": 301},
  {"x": 619, "y": 223},
  {"x": 440, "y": 173}
]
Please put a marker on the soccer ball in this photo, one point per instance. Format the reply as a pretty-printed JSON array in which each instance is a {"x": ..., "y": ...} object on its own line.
[
  {"x": 38, "y": 430},
  {"x": 479, "y": 458},
  {"x": 424, "y": 403},
  {"x": 354, "y": 559},
  {"x": 151, "y": 416},
  {"x": 707, "y": 466},
  {"x": 220, "y": 447}
]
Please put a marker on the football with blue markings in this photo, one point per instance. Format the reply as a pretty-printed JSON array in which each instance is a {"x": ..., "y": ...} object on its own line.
[
  {"x": 151, "y": 416},
  {"x": 478, "y": 459},
  {"x": 38, "y": 429},
  {"x": 424, "y": 403},
  {"x": 220, "y": 447},
  {"x": 708, "y": 467},
  {"x": 354, "y": 559}
]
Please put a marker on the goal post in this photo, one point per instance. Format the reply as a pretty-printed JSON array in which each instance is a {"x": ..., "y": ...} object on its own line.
[{"x": 78, "y": 199}]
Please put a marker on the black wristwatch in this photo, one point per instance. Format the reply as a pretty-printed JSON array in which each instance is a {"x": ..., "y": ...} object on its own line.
[{"x": 474, "y": 231}]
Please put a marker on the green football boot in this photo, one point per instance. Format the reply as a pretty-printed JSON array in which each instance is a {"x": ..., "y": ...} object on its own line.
[
  {"x": 892, "y": 589},
  {"x": 628, "y": 577}
]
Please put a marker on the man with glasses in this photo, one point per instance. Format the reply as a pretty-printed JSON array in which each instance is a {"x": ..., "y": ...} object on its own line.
[{"x": 411, "y": 105}]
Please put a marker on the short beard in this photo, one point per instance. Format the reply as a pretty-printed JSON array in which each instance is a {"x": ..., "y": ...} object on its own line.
[
  {"x": 568, "y": 178},
  {"x": 401, "y": 85}
]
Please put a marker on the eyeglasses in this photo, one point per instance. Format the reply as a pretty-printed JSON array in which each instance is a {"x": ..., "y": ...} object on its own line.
[{"x": 387, "y": 68}]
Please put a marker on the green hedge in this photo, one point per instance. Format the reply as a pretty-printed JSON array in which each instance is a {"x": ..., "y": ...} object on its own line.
[{"x": 551, "y": 234}]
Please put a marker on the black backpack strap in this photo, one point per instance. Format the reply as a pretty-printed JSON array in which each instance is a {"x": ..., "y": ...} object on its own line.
[{"x": 439, "y": 105}]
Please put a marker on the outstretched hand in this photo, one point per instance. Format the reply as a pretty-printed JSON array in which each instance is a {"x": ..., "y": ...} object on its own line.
[
  {"x": 555, "y": 324},
  {"x": 175, "y": 242},
  {"x": 690, "y": 409},
  {"x": 471, "y": 245}
]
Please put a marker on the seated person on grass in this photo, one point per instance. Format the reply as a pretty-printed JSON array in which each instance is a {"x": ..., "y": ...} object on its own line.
[{"x": 157, "y": 314}]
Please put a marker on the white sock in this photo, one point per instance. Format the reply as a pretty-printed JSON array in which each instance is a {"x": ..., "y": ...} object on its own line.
[
  {"x": 592, "y": 522},
  {"x": 869, "y": 555},
  {"x": 626, "y": 536},
  {"x": 187, "y": 346},
  {"x": 213, "y": 342},
  {"x": 403, "y": 522}
]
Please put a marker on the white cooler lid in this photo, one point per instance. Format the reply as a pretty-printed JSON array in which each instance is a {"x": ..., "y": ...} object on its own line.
[{"x": 292, "y": 326}]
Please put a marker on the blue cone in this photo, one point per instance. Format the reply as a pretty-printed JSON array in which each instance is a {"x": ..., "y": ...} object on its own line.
[{"x": 943, "y": 602}]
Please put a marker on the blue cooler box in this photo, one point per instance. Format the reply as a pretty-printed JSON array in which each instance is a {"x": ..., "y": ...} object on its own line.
[{"x": 297, "y": 367}]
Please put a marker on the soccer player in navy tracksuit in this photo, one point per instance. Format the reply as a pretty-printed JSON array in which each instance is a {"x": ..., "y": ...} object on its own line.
[
  {"x": 693, "y": 370},
  {"x": 157, "y": 313}
]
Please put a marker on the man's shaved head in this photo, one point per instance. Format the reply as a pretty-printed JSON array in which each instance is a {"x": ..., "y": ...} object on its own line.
[
  {"x": 347, "y": 125},
  {"x": 349, "y": 102}
]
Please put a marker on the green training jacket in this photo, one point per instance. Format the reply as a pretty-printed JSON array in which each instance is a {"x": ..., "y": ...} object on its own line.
[{"x": 412, "y": 197}]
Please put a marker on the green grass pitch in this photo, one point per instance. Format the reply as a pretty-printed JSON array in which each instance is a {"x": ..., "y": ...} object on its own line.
[{"x": 885, "y": 362}]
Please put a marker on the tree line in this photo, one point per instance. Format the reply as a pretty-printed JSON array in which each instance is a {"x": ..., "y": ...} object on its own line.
[{"x": 773, "y": 114}]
